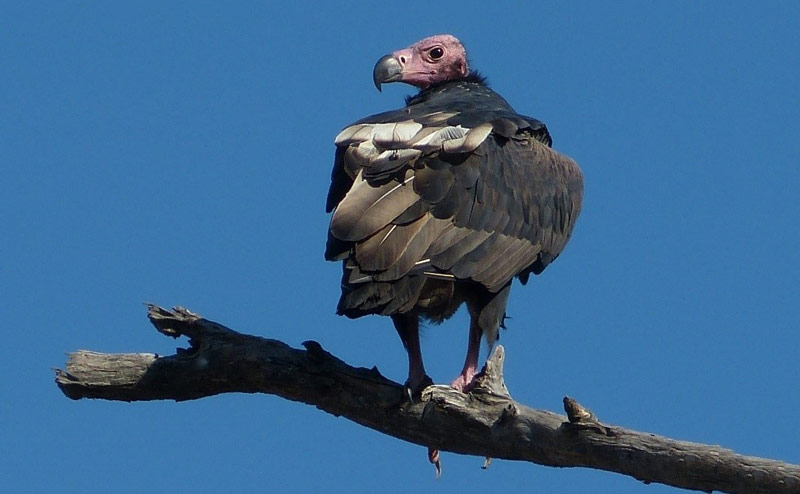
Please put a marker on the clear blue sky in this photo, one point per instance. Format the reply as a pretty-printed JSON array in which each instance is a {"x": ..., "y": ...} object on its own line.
[{"x": 180, "y": 155}]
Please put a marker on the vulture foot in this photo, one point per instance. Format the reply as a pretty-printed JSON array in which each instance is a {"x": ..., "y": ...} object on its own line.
[
  {"x": 413, "y": 387},
  {"x": 465, "y": 381}
]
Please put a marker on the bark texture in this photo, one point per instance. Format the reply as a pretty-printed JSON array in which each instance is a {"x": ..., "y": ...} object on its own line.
[{"x": 485, "y": 422}]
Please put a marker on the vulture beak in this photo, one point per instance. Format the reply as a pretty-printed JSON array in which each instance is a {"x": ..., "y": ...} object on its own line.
[{"x": 388, "y": 69}]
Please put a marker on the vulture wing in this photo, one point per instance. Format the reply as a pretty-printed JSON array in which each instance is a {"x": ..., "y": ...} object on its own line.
[{"x": 455, "y": 186}]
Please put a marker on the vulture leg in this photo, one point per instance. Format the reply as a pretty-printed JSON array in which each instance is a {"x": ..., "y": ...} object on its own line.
[
  {"x": 466, "y": 380},
  {"x": 486, "y": 313},
  {"x": 407, "y": 326}
]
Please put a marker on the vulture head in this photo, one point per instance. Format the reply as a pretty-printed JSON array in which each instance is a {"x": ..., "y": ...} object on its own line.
[{"x": 435, "y": 59}]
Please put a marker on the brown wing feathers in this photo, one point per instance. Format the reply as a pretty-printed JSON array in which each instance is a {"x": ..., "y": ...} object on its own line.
[
  {"x": 505, "y": 221},
  {"x": 367, "y": 208},
  {"x": 441, "y": 195}
]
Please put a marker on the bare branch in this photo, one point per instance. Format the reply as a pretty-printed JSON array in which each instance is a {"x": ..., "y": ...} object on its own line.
[{"x": 485, "y": 422}]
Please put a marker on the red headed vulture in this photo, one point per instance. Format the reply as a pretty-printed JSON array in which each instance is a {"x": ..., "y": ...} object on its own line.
[{"x": 445, "y": 201}]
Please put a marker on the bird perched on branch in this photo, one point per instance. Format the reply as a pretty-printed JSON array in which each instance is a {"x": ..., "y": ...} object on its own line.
[{"x": 444, "y": 202}]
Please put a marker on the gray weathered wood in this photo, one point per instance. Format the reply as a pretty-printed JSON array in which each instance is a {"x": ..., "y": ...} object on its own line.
[{"x": 486, "y": 422}]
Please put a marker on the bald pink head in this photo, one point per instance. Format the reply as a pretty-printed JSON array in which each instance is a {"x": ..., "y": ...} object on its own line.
[{"x": 429, "y": 61}]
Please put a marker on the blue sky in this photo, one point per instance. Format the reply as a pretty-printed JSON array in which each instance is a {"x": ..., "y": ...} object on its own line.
[{"x": 180, "y": 155}]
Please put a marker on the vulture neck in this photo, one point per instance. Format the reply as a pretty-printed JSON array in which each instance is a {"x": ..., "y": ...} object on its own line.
[{"x": 424, "y": 94}]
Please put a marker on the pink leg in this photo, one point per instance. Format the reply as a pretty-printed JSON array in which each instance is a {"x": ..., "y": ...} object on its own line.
[{"x": 466, "y": 380}]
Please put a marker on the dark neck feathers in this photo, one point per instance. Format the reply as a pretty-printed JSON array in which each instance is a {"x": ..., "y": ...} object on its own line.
[{"x": 474, "y": 77}]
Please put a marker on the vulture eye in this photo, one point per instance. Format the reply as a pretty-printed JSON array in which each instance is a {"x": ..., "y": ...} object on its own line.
[{"x": 436, "y": 53}]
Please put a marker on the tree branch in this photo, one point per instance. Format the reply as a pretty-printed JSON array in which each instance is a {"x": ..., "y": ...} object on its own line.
[{"x": 485, "y": 422}]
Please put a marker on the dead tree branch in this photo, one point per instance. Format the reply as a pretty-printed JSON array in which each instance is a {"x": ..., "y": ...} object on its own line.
[{"x": 486, "y": 422}]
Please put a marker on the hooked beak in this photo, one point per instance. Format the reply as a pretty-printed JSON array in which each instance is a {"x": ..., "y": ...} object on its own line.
[{"x": 388, "y": 69}]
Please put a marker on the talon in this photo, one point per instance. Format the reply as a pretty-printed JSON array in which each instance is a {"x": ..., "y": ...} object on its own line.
[
  {"x": 414, "y": 389},
  {"x": 433, "y": 457},
  {"x": 465, "y": 382}
]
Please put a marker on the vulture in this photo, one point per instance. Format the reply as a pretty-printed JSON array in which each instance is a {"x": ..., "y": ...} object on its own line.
[{"x": 445, "y": 201}]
